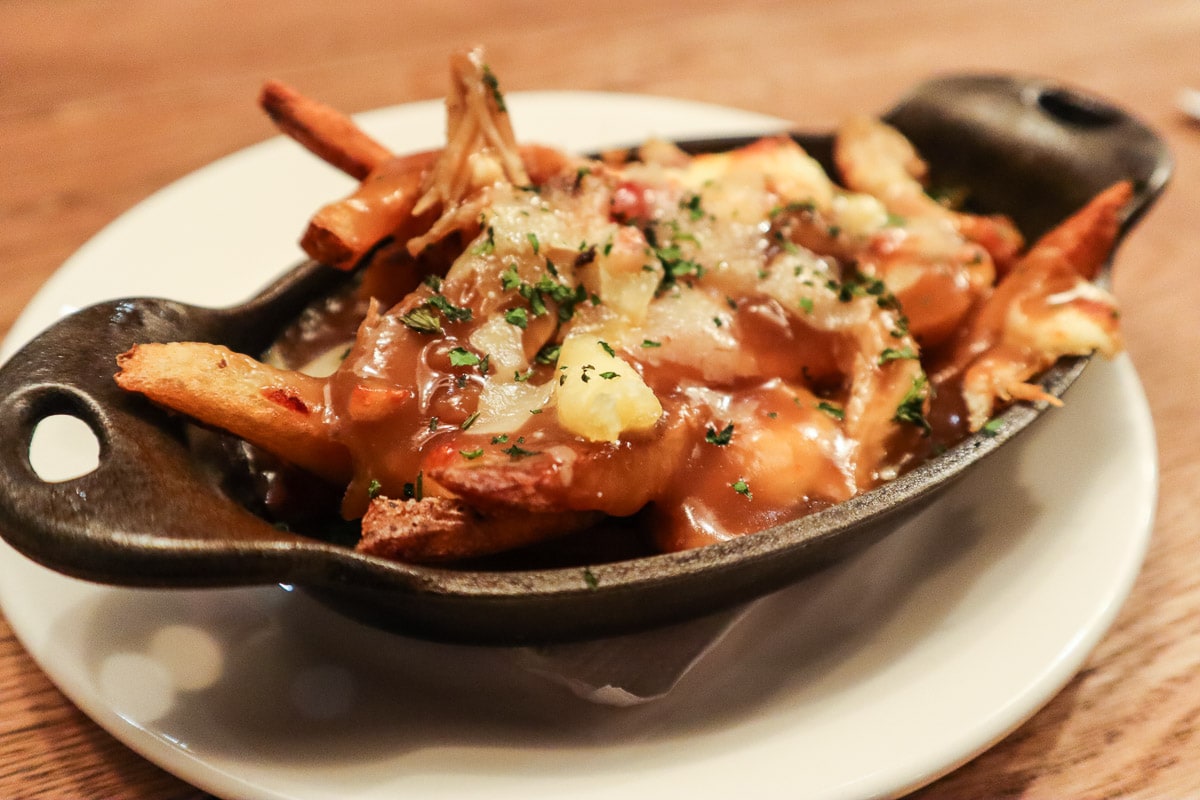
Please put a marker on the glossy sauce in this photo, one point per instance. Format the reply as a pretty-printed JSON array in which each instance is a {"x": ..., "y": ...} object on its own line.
[{"x": 754, "y": 380}]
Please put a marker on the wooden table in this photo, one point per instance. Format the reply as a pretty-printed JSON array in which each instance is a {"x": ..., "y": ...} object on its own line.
[{"x": 101, "y": 103}]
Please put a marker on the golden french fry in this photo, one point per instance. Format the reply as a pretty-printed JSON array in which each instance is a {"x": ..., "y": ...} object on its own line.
[
  {"x": 278, "y": 410},
  {"x": 341, "y": 233},
  {"x": 324, "y": 131},
  {"x": 442, "y": 529},
  {"x": 1086, "y": 237}
]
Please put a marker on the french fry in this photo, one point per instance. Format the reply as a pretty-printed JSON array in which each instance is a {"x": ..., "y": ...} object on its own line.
[
  {"x": 277, "y": 410},
  {"x": 341, "y": 233},
  {"x": 441, "y": 529},
  {"x": 326, "y": 132},
  {"x": 1086, "y": 237}
]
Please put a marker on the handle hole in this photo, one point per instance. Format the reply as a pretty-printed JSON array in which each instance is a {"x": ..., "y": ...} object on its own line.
[
  {"x": 1076, "y": 109},
  {"x": 63, "y": 447}
]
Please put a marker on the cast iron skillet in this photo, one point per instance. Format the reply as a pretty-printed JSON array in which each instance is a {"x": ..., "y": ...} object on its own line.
[{"x": 152, "y": 515}]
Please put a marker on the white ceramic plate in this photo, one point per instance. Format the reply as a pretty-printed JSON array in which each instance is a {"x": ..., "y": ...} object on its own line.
[{"x": 867, "y": 680}]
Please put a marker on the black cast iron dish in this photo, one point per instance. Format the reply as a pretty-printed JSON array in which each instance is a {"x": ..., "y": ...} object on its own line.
[{"x": 152, "y": 515}]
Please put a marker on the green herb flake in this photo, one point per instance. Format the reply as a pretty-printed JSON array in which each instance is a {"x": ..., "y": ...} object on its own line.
[
  {"x": 548, "y": 354},
  {"x": 691, "y": 204},
  {"x": 488, "y": 245},
  {"x": 719, "y": 438},
  {"x": 912, "y": 407},
  {"x": 806, "y": 305},
  {"x": 590, "y": 578},
  {"x": 894, "y": 354},
  {"x": 462, "y": 357},
  {"x": 373, "y": 489},
  {"x": 471, "y": 455},
  {"x": 469, "y": 421},
  {"x": 433, "y": 424},
  {"x": 415, "y": 490},
  {"x": 516, "y": 452},
  {"x": 608, "y": 376},
  {"x": 837, "y": 412},
  {"x": 510, "y": 279},
  {"x": 500, "y": 439},
  {"x": 493, "y": 85},
  {"x": 518, "y": 317},
  {"x": 451, "y": 312},
  {"x": 533, "y": 241},
  {"x": 650, "y": 343},
  {"x": 606, "y": 347},
  {"x": 992, "y": 427},
  {"x": 741, "y": 487},
  {"x": 423, "y": 320}
]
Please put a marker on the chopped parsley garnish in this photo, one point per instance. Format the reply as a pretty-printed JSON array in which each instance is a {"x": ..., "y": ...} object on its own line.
[
  {"x": 533, "y": 241},
  {"x": 488, "y": 245},
  {"x": 795, "y": 207},
  {"x": 992, "y": 427},
  {"x": 741, "y": 487},
  {"x": 433, "y": 424},
  {"x": 489, "y": 79},
  {"x": 500, "y": 439},
  {"x": 373, "y": 489},
  {"x": 518, "y": 317},
  {"x": 517, "y": 452},
  {"x": 912, "y": 406},
  {"x": 423, "y": 320},
  {"x": 806, "y": 305},
  {"x": 650, "y": 343},
  {"x": 691, "y": 204},
  {"x": 415, "y": 491},
  {"x": 451, "y": 312},
  {"x": 590, "y": 578},
  {"x": 608, "y": 376},
  {"x": 606, "y": 347},
  {"x": 893, "y": 354},
  {"x": 837, "y": 412},
  {"x": 719, "y": 437},
  {"x": 469, "y": 421},
  {"x": 548, "y": 354},
  {"x": 425, "y": 317},
  {"x": 471, "y": 455},
  {"x": 462, "y": 357},
  {"x": 510, "y": 279}
]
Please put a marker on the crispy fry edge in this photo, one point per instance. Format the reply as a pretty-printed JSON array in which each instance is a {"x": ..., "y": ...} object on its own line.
[{"x": 277, "y": 410}]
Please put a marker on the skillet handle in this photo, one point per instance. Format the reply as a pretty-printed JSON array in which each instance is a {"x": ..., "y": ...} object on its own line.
[
  {"x": 1034, "y": 149},
  {"x": 148, "y": 515}
]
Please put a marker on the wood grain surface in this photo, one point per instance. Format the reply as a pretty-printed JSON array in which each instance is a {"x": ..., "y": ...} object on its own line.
[{"x": 102, "y": 103}]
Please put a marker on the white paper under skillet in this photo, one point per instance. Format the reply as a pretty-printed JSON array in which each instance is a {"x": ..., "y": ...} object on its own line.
[{"x": 866, "y": 680}]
